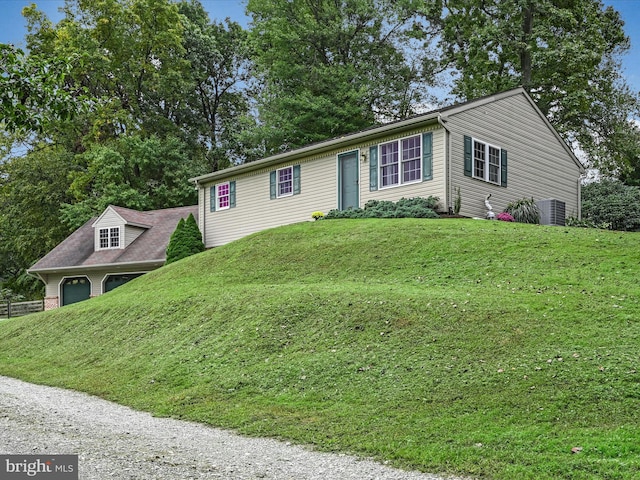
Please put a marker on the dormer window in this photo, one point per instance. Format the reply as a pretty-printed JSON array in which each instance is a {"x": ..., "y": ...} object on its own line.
[{"x": 109, "y": 237}]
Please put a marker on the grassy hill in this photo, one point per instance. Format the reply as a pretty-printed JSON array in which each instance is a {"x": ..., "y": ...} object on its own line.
[{"x": 473, "y": 347}]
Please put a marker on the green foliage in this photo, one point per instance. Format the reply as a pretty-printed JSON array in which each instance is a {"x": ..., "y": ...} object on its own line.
[
  {"x": 429, "y": 345},
  {"x": 566, "y": 54},
  {"x": 8, "y": 295},
  {"x": 32, "y": 188},
  {"x": 404, "y": 208},
  {"x": 186, "y": 240},
  {"x": 33, "y": 91},
  {"x": 133, "y": 172},
  {"x": 330, "y": 68},
  {"x": 573, "y": 221},
  {"x": 611, "y": 204},
  {"x": 220, "y": 75},
  {"x": 194, "y": 235},
  {"x": 524, "y": 210}
]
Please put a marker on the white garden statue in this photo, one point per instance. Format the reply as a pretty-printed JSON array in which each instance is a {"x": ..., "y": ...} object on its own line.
[{"x": 490, "y": 215}]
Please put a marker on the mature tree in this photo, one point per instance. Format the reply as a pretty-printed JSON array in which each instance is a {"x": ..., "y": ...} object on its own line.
[
  {"x": 564, "y": 52},
  {"x": 32, "y": 189},
  {"x": 220, "y": 74},
  {"x": 129, "y": 58},
  {"x": 132, "y": 172},
  {"x": 32, "y": 91},
  {"x": 330, "y": 67}
]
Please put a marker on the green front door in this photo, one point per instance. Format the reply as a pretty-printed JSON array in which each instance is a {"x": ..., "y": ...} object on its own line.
[
  {"x": 348, "y": 181},
  {"x": 75, "y": 290}
]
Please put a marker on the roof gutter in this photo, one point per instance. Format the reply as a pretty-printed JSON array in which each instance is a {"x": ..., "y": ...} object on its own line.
[
  {"x": 317, "y": 148},
  {"x": 84, "y": 268}
]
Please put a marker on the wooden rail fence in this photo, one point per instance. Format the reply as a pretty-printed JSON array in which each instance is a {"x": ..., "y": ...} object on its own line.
[{"x": 18, "y": 309}]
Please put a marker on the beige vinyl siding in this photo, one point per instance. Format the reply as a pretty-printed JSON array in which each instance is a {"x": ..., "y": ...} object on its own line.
[
  {"x": 435, "y": 187},
  {"x": 131, "y": 233},
  {"x": 255, "y": 211},
  {"x": 108, "y": 219},
  {"x": 538, "y": 164}
]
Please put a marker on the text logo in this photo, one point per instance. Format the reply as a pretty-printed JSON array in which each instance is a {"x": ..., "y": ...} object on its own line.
[{"x": 45, "y": 467}]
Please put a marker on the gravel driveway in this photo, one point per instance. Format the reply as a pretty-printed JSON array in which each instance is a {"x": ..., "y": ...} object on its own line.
[{"x": 113, "y": 441}]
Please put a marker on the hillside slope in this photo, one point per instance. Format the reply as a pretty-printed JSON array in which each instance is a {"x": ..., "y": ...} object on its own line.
[{"x": 484, "y": 348}]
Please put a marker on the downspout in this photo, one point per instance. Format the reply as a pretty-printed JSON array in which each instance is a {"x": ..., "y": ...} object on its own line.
[
  {"x": 204, "y": 214},
  {"x": 202, "y": 219},
  {"x": 447, "y": 161},
  {"x": 580, "y": 178},
  {"x": 39, "y": 277}
]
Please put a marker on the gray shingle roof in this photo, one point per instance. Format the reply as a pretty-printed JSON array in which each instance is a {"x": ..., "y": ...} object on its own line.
[{"x": 77, "y": 250}]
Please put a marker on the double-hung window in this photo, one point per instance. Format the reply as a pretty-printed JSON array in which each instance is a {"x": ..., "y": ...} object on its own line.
[
  {"x": 486, "y": 162},
  {"x": 401, "y": 161},
  {"x": 285, "y": 181},
  {"x": 223, "y": 196},
  {"x": 109, "y": 237}
]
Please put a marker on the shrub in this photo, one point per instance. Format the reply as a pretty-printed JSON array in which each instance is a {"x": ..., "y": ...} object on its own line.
[
  {"x": 317, "y": 215},
  {"x": 404, "y": 208},
  {"x": 524, "y": 210},
  {"x": 611, "y": 204},
  {"x": 505, "y": 217},
  {"x": 185, "y": 240},
  {"x": 586, "y": 223}
]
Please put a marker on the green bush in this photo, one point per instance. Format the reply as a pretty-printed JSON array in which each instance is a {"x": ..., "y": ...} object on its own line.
[
  {"x": 524, "y": 210},
  {"x": 611, "y": 204},
  {"x": 185, "y": 240},
  {"x": 404, "y": 208}
]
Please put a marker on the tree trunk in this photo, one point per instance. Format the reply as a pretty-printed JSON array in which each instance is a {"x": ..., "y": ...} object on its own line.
[{"x": 525, "y": 49}]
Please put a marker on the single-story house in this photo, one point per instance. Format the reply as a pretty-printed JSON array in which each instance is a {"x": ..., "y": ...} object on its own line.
[
  {"x": 500, "y": 145},
  {"x": 106, "y": 252}
]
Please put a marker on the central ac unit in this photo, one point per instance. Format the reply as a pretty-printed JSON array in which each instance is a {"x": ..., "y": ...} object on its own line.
[{"x": 552, "y": 212}]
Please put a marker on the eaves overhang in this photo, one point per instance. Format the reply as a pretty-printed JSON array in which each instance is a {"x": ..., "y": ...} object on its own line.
[
  {"x": 88, "y": 268},
  {"x": 320, "y": 147}
]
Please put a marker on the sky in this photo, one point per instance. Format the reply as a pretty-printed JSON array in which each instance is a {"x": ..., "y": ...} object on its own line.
[{"x": 12, "y": 25}]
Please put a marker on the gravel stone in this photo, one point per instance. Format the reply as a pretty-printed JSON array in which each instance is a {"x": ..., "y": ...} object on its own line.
[{"x": 116, "y": 442}]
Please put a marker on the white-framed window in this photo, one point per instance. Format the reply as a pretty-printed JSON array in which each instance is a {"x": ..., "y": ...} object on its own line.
[
  {"x": 109, "y": 238},
  {"x": 401, "y": 161},
  {"x": 285, "y": 181},
  {"x": 486, "y": 162},
  {"x": 223, "y": 196}
]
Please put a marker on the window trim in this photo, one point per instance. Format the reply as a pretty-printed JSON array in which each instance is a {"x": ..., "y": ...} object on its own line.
[
  {"x": 278, "y": 182},
  {"x": 113, "y": 242},
  {"x": 487, "y": 161},
  {"x": 400, "y": 162}
]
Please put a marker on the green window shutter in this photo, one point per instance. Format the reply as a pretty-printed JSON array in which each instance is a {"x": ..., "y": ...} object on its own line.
[
  {"x": 212, "y": 198},
  {"x": 468, "y": 156},
  {"x": 296, "y": 179},
  {"x": 232, "y": 194},
  {"x": 503, "y": 168},
  {"x": 373, "y": 168},
  {"x": 272, "y": 185},
  {"x": 427, "y": 156}
]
